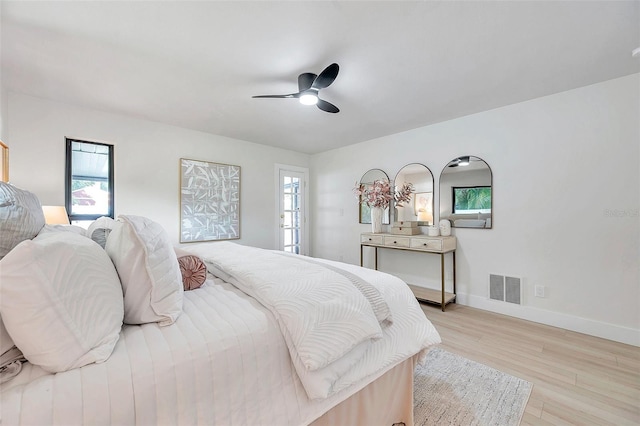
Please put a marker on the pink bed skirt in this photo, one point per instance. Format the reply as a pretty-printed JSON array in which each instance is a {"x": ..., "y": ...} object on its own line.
[{"x": 386, "y": 401}]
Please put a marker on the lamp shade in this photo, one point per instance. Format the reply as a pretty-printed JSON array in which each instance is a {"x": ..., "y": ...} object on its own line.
[{"x": 55, "y": 215}]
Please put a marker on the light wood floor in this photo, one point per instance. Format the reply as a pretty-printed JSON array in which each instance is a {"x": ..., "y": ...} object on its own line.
[{"x": 577, "y": 379}]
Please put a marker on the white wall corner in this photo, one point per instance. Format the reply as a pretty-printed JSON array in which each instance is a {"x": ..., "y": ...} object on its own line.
[{"x": 604, "y": 330}]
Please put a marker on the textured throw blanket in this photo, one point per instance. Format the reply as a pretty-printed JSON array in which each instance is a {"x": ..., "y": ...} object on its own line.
[
  {"x": 322, "y": 315},
  {"x": 380, "y": 307},
  {"x": 335, "y": 318}
]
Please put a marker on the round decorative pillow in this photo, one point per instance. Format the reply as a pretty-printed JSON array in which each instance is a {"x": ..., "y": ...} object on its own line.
[{"x": 192, "y": 268}]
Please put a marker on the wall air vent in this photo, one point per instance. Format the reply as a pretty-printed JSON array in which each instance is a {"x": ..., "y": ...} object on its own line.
[{"x": 505, "y": 289}]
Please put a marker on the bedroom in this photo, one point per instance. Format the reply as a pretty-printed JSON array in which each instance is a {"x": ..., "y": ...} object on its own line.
[{"x": 565, "y": 161}]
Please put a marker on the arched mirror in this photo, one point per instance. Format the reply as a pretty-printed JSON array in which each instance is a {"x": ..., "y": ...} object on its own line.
[
  {"x": 466, "y": 193},
  {"x": 420, "y": 206},
  {"x": 367, "y": 179}
]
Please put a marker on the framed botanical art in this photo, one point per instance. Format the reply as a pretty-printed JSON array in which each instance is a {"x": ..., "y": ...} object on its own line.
[{"x": 209, "y": 201}]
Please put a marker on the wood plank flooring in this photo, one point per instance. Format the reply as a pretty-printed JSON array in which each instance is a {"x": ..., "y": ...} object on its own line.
[{"x": 577, "y": 379}]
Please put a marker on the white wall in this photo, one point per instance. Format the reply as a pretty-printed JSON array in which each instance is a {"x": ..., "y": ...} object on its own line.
[
  {"x": 146, "y": 162},
  {"x": 3, "y": 94},
  {"x": 566, "y": 189},
  {"x": 3, "y": 114}
]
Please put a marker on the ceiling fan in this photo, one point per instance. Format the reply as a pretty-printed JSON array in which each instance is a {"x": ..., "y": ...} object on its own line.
[
  {"x": 309, "y": 85},
  {"x": 461, "y": 161}
]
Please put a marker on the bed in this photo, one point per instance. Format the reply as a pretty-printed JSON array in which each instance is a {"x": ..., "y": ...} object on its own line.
[{"x": 227, "y": 356}]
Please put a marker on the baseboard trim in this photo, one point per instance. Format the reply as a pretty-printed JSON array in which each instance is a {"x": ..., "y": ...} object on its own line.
[{"x": 604, "y": 330}]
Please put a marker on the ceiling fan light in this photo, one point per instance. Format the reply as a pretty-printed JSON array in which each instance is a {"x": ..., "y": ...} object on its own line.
[{"x": 309, "y": 99}]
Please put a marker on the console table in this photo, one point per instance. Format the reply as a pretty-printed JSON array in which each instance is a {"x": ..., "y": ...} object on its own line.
[{"x": 418, "y": 243}]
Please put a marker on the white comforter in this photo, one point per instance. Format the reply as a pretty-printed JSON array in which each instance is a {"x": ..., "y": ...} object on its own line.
[
  {"x": 224, "y": 361},
  {"x": 322, "y": 315},
  {"x": 327, "y": 323}
]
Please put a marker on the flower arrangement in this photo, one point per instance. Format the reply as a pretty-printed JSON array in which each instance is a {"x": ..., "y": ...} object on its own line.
[
  {"x": 378, "y": 194},
  {"x": 404, "y": 194}
]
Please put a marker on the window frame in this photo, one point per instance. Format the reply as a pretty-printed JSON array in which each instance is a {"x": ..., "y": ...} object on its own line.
[{"x": 69, "y": 179}]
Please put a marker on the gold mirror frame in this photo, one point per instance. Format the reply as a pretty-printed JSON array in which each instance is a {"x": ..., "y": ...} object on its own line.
[
  {"x": 364, "y": 212},
  {"x": 471, "y": 173},
  {"x": 420, "y": 207}
]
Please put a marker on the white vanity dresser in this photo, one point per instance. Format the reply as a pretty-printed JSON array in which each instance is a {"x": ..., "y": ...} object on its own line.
[
  {"x": 418, "y": 243},
  {"x": 465, "y": 198}
]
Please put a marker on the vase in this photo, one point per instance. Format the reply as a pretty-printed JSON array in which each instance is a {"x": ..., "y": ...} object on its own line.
[
  {"x": 376, "y": 219},
  {"x": 445, "y": 228}
]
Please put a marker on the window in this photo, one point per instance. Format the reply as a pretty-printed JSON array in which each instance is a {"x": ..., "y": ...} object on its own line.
[
  {"x": 471, "y": 199},
  {"x": 89, "y": 180}
]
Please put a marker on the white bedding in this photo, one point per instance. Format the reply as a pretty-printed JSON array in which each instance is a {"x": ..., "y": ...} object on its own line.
[
  {"x": 224, "y": 361},
  {"x": 288, "y": 285},
  {"x": 322, "y": 315}
]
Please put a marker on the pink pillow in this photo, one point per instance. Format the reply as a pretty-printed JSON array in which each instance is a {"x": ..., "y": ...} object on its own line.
[{"x": 192, "y": 268}]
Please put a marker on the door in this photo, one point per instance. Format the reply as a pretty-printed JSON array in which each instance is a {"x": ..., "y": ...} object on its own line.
[{"x": 292, "y": 201}]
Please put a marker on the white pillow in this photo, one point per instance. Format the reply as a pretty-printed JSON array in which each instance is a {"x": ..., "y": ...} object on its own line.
[
  {"x": 100, "y": 229},
  {"x": 61, "y": 301},
  {"x": 148, "y": 269}
]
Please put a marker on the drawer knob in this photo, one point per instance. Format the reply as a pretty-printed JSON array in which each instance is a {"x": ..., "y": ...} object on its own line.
[
  {"x": 425, "y": 244},
  {"x": 369, "y": 239},
  {"x": 395, "y": 242}
]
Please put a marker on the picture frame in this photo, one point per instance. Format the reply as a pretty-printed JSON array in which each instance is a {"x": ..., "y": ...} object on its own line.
[
  {"x": 4, "y": 162},
  {"x": 209, "y": 201},
  {"x": 423, "y": 205}
]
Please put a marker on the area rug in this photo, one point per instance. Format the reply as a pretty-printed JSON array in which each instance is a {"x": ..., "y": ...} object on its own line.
[{"x": 452, "y": 390}]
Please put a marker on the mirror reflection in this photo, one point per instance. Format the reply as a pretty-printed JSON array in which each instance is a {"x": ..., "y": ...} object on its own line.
[
  {"x": 367, "y": 179},
  {"x": 466, "y": 193},
  {"x": 420, "y": 207}
]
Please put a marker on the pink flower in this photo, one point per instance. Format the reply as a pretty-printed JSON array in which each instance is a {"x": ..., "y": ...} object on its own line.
[
  {"x": 378, "y": 194},
  {"x": 404, "y": 194}
]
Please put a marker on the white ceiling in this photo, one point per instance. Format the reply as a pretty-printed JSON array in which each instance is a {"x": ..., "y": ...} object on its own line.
[{"x": 403, "y": 64}]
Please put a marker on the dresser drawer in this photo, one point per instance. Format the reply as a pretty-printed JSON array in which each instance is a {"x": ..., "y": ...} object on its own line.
[
  {"x": 396, "y": 241},
  {"x": 426, "y": 243},
  {"x": 371, "y": 238}
]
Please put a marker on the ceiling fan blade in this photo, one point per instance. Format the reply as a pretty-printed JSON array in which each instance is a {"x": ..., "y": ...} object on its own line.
[
  {"x": 305, "y": 81},
  {"x": 326, "y": 77},
  {"x": 291, "y": 95},
  {"x": 326, "y": 106}
]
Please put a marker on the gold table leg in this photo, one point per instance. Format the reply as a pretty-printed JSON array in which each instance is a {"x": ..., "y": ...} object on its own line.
[
  {"x": 375, "y": 264},
  {"x": 442, "y": 277},
  {"x": 453, "y": 253}
]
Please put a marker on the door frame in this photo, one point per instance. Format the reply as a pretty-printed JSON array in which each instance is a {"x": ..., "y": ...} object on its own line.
[{"x": 305, "y": 229}]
